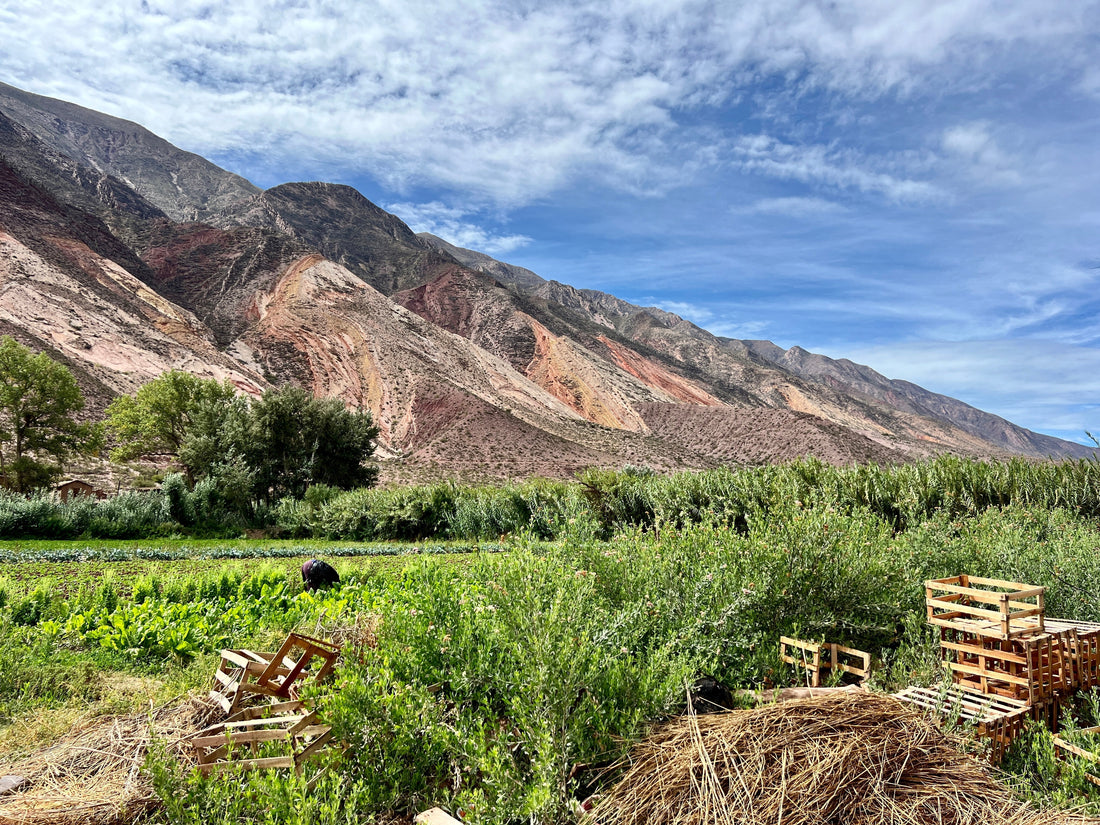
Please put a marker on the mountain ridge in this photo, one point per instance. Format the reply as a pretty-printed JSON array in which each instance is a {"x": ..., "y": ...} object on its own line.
[{"x": 472, "y": 367}]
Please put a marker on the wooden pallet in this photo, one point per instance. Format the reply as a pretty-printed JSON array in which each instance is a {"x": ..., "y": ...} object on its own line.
[
  {"x": 996, "y": 718},
  {"x": 286, "y": 735},
  {"x": 986, "y": 607},
  {"x": 817, "y": 657},
  {"x": 246, "y": 674}
]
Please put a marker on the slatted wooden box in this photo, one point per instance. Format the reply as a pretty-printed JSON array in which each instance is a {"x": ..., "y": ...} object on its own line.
[
  {"x": 1084, "y": 641},
  {"x": 244, "y": 674},
  {"x": 996, "y": 718},
  {"x": 817, "y": 657},
  {"x": 991, "y": 608},
  {"x": 1037, "y": 670},
  {"x": 285, "y": 735}
]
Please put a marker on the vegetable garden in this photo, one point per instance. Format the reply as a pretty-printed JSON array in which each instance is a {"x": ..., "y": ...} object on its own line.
[{"x": 480, "y": 680}]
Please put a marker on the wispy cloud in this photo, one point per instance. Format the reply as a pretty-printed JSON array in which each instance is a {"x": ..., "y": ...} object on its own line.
[
  {"x": 451, "y": 224},
  {"x": 823, "y": 165},
  {"x": 974, "y": 145},
  {"x": 795, "y": 207},
  {"x": 507, "y": 101},
  {"x": 1041, "y": 385}
]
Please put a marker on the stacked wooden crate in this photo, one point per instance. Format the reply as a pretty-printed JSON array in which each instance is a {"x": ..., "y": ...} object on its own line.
[
  {"x": 1008, "y": 659},
  {"x": 997, "y": 640},
  {"x": 267, "y": 725}
]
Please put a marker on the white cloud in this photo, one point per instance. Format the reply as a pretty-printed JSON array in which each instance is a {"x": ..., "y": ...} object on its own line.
[
  {"x": 974, "y": 145},
  {"x": 505, "y": 101},
  {"x": 796, "y": 207},
  {"x": 826, "y": 166},
  {"x": 1039, "y": 384},
  {"x": 450, "y": 224}
]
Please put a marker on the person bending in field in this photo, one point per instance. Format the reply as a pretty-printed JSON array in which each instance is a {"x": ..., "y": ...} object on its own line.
[{"x": 318, "y": 575}]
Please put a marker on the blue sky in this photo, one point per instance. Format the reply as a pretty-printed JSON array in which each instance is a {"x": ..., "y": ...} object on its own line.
[{"x": 914, "y": 185}]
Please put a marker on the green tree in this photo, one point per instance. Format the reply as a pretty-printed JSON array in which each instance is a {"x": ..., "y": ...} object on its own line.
[
  {"x": 165, "y": 416},
  {"x": 296, "y": 440},
  {"x": 38, "y": 399}
]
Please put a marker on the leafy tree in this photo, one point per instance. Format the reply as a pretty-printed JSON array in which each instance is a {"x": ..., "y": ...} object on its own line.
[
  {"x": 38, "y": 399},
  {"x": 296, "y": 440},
  {"x": 274, "y": 447},
  {"x": 168, "y": 413},
  {"x": 216, "y": 437}
]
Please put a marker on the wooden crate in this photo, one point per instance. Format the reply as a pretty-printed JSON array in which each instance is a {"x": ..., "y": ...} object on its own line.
[
  {"x": 1084, "y": 640},
  {"x": 286, "y": 735},
  {"x": 1038, "y": 670},
  {"x": 986, "y": 607},
  {"x": 245, "y": 674},
  {"x": 996, "y": 718},
  {"x": 1086, "y": 654},
  {"x": 817, "y": 657}
]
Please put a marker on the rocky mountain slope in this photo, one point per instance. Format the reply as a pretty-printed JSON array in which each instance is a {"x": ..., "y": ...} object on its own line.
[
  {"x": 471, "y": 366},
  {"x": 184, "y": 185},
  {"x": 259, "y": 308},
  {"x": 714, "y": 356}
]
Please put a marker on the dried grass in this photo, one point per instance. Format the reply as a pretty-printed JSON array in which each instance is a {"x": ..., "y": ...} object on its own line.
[
  {"x": 850, "y": 758},
  {"x": 93, "y": 775},
  {"x": 354, "y": 638}
]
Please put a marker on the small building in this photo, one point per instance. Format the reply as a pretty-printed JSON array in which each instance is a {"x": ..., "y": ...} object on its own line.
[{"x": 75, "y": 487}]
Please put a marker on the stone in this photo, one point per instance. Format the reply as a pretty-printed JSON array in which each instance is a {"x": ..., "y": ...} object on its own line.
[{"x": 11, "y": 784}]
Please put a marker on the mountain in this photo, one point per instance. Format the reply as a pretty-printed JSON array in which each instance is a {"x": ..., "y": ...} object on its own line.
[
  {"x": 124, "y": 256},
  {"x": 184, "y": 185},
  {"x": 347, "y": 228},
  {"x": 719, "y": 357}
]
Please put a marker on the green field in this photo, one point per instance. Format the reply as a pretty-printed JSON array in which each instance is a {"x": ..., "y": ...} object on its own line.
[
  {"x": 489, "y": 675},
  {"x": 68, "y": 568}
]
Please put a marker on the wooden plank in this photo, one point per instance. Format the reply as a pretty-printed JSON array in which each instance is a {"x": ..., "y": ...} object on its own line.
[
  {"x": 984, "y": 652},
  {"x": 234, "y": 657},
  {"x": 1016, "y": 588},
  {"x": 995, "y": 675},
  {"x": 303, "y": 723},
  {"x": 262, "y": 690},
  {"x": 988, "y": 630},
  {"x": 984, "y": 596},
  {"x": 279, "y": 720},
  {"x": 271, "y": 711},
  {"x": 241, "y": 737},
  {"x": 435, "y": 816},
  {"x": 1059, "y": 742},
  {"x": 312, "y": 748},
  {"x": 992, "y": 615},
  {"x": 265, "y": 763}
]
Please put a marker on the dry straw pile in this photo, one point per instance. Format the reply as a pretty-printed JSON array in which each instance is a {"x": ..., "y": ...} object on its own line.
[
  {"x": 94, "y": 776},
  {"x": 853, "y": 758}
]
